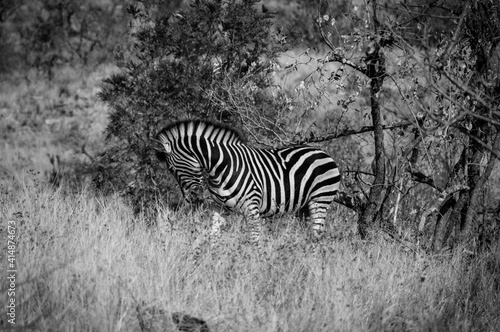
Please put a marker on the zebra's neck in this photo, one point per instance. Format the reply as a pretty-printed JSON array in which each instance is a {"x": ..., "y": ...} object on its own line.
[{"x": 212, "y": 156}]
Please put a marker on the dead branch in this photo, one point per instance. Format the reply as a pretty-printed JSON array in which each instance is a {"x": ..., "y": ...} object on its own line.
[
  {"x": 335, "y": 57},
  {"x": 496, "y": 154},
  {"x": 349, "y": 132},
  {"x": 482, "y": 181},
  {"x": 442, "y": 199},
  {"x": 352, "y": 202},
  {"x": 422, "y": 178}
]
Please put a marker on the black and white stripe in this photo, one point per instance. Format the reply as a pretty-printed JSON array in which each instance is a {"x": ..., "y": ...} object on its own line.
[{"x": 256, "y": 182}]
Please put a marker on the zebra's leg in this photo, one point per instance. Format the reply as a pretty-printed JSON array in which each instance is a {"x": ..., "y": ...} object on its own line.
[
  {"x": 218, "y": 222},
  {"x": 254, "y": 225},
  {"x": 317, "y": 215}
]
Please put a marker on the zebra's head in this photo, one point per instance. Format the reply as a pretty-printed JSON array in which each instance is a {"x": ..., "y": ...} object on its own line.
[{"x": 185, "y": 167}]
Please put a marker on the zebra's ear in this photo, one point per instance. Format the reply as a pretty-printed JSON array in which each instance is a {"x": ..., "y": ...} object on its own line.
[{"x": 166, "y": 144}]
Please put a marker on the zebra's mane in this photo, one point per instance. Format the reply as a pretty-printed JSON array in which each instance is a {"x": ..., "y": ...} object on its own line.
[{"x": 203, "y": 124}]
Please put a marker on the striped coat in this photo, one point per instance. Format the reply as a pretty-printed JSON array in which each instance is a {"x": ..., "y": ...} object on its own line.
[{"x": 256, "y": 182}]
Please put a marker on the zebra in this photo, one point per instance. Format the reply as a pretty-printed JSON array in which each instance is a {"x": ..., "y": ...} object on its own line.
[{"x": 258, "y": 183}]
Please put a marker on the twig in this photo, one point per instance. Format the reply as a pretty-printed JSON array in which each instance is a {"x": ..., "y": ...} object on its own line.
[
  {"x": 484, "y": 145},
  {"x": 84, "y": 151},
  {"x": 456, "y": 33},
  {"x": 352, "y": 202},
  {"x": 349, "y": 132},
  {"x": 335, "y": 57}
]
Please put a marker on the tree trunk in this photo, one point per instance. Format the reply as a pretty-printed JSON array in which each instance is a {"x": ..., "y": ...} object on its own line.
[
  {"x": 474, "y": 205},
  {"x": 376, "y": 71},
  {"x": 376, "y": 196}
]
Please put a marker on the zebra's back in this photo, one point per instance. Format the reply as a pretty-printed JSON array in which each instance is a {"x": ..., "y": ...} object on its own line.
[
  {"x": 278, "y": 181},
  {"x": 309, "y": 174}
]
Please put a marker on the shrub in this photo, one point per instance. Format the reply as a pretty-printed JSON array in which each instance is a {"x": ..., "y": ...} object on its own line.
[
  {"x": 51, "y": 33},
  {"x": 183, "y": 65}
]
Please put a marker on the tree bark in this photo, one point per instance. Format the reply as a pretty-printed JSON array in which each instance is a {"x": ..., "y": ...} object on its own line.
[
  {"x": 473, "y": 204},
  {"x": 376, "y": 71}
]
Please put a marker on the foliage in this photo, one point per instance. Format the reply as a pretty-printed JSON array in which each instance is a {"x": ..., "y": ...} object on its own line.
[
  {"x": 48, "y": 34},
  {"x": 462, "y": 78},
  {"x": 420, "y": 69},
  {"x": 183, "y": 65},
  {"x": 298, "y": 19},
  {"x": 428, "y": 71}
]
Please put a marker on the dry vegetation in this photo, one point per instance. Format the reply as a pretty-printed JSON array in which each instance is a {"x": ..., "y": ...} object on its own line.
[{"x": 86, "y": 263}]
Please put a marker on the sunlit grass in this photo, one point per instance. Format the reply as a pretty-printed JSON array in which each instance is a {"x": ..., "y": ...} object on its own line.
[{"x": 87, "y": 263}]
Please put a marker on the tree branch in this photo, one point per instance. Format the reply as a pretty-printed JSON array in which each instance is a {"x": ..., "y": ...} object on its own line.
[
  {"x": 422, "y": 178},
  {"x": 496, "y": 154},
  {"x": 464, "y": 87},
  {"x": 443, "y": 198},
  {"x": 352, "y": 202},
  {"x": 335, "y": 57},
  {"x": 456, "y": 33},
  {"x": 349, "y": 132}
]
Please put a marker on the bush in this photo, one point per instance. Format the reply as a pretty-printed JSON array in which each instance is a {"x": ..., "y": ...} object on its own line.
[
  {"x": 178, "y": 66},
  {"x": 51, "y": 33}
]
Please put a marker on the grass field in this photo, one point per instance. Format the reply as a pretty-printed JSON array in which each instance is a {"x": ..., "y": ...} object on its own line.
[{"x": 86, "y": 263}]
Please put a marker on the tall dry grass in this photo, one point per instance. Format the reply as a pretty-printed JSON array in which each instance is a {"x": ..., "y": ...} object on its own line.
[
  {"x": 40, "y": 119},
  {"x": 87, "y": 263}
]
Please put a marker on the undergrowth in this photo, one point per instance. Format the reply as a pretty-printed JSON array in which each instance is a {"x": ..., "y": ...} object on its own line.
[{"x": 86, "y": 263}]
